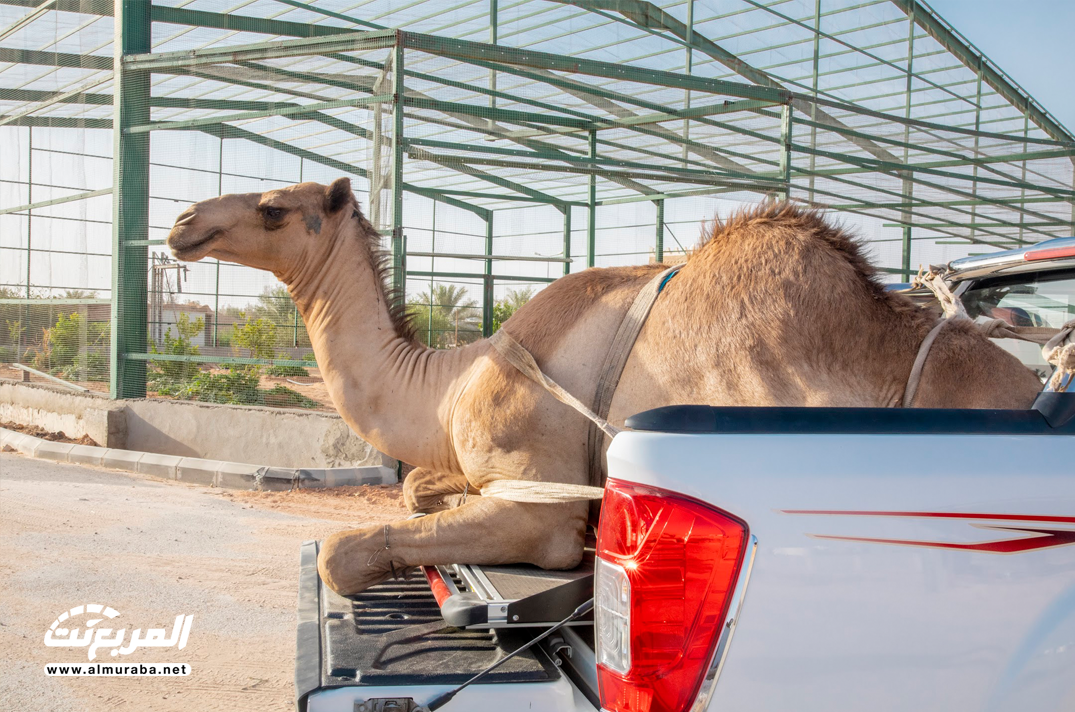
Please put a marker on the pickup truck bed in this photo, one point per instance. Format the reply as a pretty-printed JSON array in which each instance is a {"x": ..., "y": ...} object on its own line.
[{"x": 392, "y": 637}]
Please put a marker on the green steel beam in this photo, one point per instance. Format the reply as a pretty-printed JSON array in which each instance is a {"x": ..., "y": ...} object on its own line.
[
  {"x": 555, "y": 156},
  {"x": 461, "y": 164},
  {"x": 648, "y": 15},
  {"x": 258, "y": 114},
  {"x": 470, "y": 52},
  {"x": 57, "y": 201},
  {"x": 478, "y": 276},
  {"x": 224, "y": 131},
  {"x": 55, "y": 59},
  {"x": 344, "y": 42},
  {"x": 485, "y": 112},
  {"x": 972, "y": 59},
  {"x": 130, "y": 203},
  {"x": 874, "y": 166}
]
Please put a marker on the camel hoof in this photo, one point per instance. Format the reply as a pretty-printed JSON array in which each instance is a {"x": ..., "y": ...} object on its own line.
[{"x": 350, "y": 562}]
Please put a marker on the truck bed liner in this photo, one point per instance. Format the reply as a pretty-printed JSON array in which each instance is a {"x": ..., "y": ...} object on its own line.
[{"x": 393, "y": 634}]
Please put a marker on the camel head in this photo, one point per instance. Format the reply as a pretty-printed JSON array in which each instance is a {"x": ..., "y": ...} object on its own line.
[{"x": 278, "y": 230}]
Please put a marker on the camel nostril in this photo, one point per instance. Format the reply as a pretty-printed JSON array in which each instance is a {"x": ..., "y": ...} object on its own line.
[{"x": 184, "y": 218}]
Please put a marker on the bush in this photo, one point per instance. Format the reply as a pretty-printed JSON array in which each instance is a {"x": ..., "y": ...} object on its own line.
[
  {"x": 283, "y": 371},
  {"x": 178, "y": 346},
  {"x": 236, "y": 387},
  {"x": 258, "y": 335},
  {"x": 89, "y": 366}
]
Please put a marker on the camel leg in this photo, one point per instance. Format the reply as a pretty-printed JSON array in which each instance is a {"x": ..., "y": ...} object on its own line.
[
  {"x": 427, "y": 491},
  {"x": 485, "y": 530}
]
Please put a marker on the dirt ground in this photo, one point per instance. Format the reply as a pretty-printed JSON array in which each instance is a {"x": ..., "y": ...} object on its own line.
[
  {"x": 38, "y": 432},
  {"x": 152, "y": 550}
]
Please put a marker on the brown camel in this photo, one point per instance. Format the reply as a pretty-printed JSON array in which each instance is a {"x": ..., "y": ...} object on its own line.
[{"x": 776, "y": 307}]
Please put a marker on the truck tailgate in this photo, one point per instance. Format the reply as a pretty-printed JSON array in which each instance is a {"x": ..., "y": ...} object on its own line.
[{"x": 898, "y": 571}]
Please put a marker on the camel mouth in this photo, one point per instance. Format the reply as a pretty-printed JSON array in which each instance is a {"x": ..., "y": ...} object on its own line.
[{"x": 189, "y": 251}]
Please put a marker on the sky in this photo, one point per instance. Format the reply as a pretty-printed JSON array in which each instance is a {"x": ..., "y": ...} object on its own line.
[{"x": 1031, "y": 40}]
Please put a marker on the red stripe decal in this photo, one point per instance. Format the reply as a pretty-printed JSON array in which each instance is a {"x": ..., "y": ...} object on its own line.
[
  {"x": 936, "y": 515},
  {"x": 1040, "y": 537}
]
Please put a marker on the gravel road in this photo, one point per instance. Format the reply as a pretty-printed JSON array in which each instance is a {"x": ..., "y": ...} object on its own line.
[{"x": 153, "y": 550}]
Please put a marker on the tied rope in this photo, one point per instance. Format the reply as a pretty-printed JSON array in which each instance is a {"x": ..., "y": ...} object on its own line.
[
  {"x": 1058, "y": 345},
  {"x": 515, "y": 354},
  {"x": 542, "y": 492}
]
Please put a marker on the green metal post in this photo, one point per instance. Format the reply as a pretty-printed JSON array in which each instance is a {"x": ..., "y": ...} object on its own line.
[
  {"x": 432, "y": 269},
  {"x": 493, "y": 37},
  {"x": 487, "y": 283},
  {"x": 813, "y": 106},
  {"x": 29, "y": 201},
  {"x": 977, "y": 127},
  {"x": 908, "y": 186},
  {"x": 690, "y": 70},
  {"x": 658, "y": 251},
  {"x": 398, "y": 277},
  {"x": 216, "y": 289},
  {"x": 786, "y": 129},
  {"x": 130, "y": 202},
  {"x": 567, "y": 238},
  {"x": 591, "y": 227}
]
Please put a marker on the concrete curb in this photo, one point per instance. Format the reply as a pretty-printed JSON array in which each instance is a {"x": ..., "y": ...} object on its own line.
[{"x": 213, "y": 473}]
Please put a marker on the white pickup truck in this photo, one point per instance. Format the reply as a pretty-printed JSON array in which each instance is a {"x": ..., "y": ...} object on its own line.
[{"x": 863, "y": 558}]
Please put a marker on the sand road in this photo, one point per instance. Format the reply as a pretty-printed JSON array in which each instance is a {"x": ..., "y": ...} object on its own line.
[{"x": 153, "y": 550}]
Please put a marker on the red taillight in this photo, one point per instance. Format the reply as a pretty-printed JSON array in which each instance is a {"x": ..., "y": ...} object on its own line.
[
  {"x": 666, "y": 572},
  {"x": 1049, "y": 253}
]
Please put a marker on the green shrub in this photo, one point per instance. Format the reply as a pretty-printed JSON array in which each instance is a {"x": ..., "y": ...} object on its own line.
[
  {"x": 283, "y": 371},
  {"x": 258, "y": 335},
  {"x": 235, "y": 387},
  {"x": 178, "y": 346},
  {"x": 7, "y": 354}
]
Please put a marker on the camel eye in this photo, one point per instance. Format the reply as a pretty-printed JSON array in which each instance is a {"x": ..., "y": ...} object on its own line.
[{"x": 272, "y": 213}]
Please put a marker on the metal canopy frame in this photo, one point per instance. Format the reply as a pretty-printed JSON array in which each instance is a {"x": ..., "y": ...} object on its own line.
[{"x": 873, "y": 107}]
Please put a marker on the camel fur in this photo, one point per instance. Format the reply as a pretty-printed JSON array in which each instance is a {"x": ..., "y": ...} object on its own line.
[{"x": 777, "y": 307}]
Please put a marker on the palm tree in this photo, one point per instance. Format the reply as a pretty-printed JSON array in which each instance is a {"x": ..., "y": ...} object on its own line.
[{"x": 445, "y": 317}]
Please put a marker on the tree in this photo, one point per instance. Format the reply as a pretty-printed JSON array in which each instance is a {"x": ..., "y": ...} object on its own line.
[
  {"x": 445, "y": 317},
  {"x": 275, "y": 305},
  {"x": 509, "y": 304},
  {"x": 258, "y": 335}
]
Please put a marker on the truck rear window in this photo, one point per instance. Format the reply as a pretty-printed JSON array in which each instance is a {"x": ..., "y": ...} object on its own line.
[{"x": 1036, "y": 299}]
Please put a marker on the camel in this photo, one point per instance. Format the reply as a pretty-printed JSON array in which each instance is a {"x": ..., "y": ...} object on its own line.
[{"x": 776, "y": 307}]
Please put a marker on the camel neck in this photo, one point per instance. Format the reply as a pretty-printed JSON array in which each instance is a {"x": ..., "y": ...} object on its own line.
[{"x": 396, "y": 394}]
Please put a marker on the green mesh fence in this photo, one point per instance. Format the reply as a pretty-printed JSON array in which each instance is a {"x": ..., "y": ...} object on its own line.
[{"x": 495, "y": 147}]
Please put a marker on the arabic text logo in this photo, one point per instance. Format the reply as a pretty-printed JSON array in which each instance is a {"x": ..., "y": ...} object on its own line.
[{"x": 94, "y": 637}]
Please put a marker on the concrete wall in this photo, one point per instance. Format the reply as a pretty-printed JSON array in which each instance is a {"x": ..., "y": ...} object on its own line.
[
  {"x": 259, "y": 436},
  {"x": 59, "y": 410}
]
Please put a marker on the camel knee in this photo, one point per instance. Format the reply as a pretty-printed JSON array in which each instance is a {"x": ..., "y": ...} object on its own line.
[{"x": 428, "y": 492}]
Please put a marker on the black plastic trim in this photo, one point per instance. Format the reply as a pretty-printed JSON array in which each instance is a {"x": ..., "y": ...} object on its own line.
[
  {"x": 464, "y": 609},
  {"x": 1045, "y": 419},
  {"x": 308, "y": 630}
]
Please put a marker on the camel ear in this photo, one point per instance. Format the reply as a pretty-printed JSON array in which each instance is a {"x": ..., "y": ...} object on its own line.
[{"x": 338, "y": 195}]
